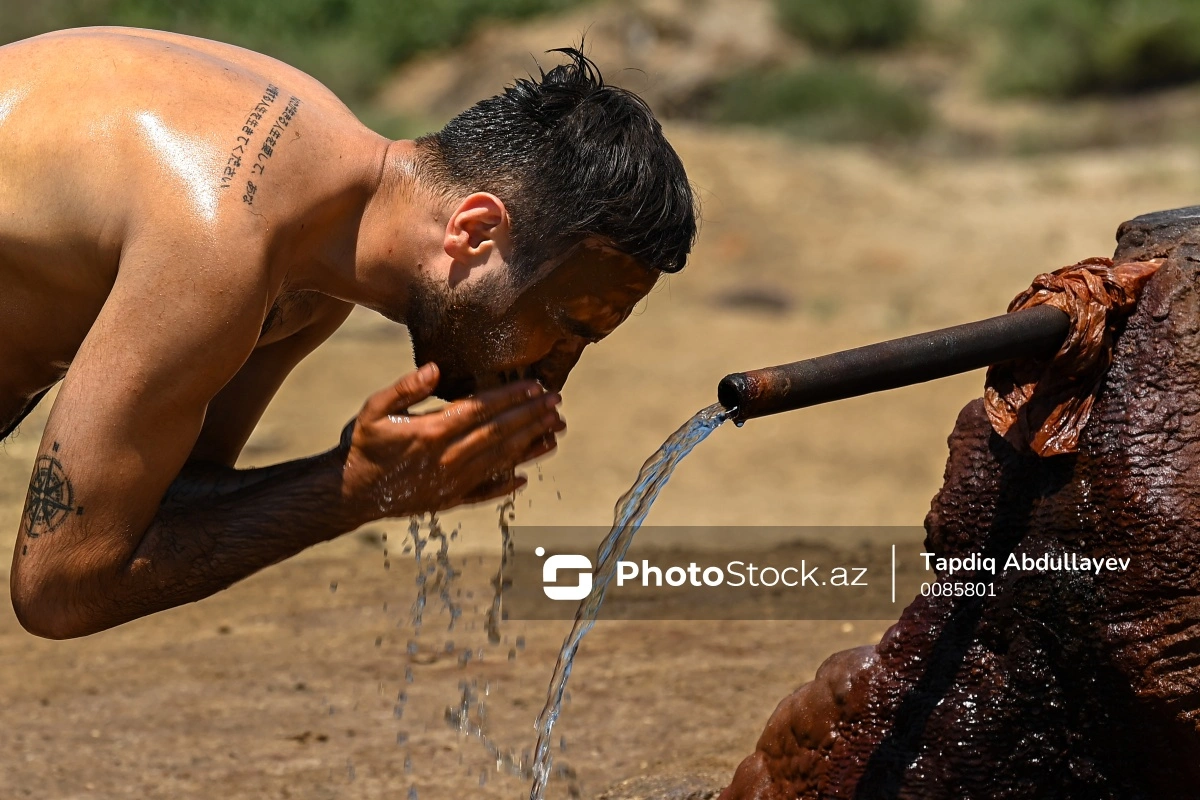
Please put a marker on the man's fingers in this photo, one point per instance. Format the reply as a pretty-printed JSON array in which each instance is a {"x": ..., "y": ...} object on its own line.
[
  {"x": 473, "y": 412},
  {"x": 525, "y": 422},
  {"x": 509, "y": 483},
  {"x": 540, "y": 447},
  {"x": 496, "y": 487},
  {"x": 409, "y": 390},
  {"x": 514, "y": 449}
]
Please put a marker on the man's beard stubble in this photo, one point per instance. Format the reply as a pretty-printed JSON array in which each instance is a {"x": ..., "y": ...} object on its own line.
[{"x": 463, "y": 331}]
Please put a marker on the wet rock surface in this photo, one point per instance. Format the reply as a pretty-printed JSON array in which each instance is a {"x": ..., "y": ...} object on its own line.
[{"x": 1065, "y": 683}]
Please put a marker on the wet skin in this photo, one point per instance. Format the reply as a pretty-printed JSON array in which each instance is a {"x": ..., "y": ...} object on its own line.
[
  {"x": 543, "y": 335},
  {"x": 170, "y": 262}
]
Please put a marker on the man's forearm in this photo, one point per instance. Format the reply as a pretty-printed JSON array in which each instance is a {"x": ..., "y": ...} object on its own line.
[
  {"x": 135, "y": 552},
  {"x": 218, "y": 525}
]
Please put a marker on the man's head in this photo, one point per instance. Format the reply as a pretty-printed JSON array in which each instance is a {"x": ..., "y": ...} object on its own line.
[{"x": 563, "y": 203}]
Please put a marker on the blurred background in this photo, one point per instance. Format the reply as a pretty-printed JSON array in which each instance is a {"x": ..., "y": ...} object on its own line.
[
  {"x": 867, "y": 168},
  {"x": 949, "y": 76}
]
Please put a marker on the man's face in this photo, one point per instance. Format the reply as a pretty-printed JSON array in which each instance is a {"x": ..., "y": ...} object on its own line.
[{"x": 541, "y": 335}]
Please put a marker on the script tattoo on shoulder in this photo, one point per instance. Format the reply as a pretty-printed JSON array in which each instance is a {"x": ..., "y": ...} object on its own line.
[
  {"x": 244, "y": 150},
  {"x": 51, "y": 499},
  {"x": 234, "y": 163}
]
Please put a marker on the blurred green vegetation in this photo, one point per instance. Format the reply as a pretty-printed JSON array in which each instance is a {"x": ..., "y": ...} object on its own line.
[
  {"x": 842, "y": 25},
  {"x": 834, "y": 98},
  {"x": 832, "y": 101},
  {"x": 1064, "y": 48},
  {"x": 867, "y": 70},
  {"x": 866, "y": 74},
  {"x": 349, "y": 45}
]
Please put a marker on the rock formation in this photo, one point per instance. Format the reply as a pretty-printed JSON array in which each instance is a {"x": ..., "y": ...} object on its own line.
[{"x": 1066, "y": 683}]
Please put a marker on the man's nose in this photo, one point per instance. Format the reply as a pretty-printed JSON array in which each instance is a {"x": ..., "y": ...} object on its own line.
[{"x": 558, "y": 363}]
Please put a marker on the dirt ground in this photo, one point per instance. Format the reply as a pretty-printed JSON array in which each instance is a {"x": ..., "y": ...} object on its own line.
[{"x": 283, "y": 687}]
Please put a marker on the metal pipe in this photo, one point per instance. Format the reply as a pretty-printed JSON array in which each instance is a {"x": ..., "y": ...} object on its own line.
[{"x": 1036, "y": 332}]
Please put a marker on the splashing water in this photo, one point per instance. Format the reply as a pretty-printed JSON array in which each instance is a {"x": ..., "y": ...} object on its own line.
[
  {"x": 630, "y": 511},
  {"x": 434, "y": 574},
  {"x": 436, "y": 567},
  {"x": 469, "y": 717},
  {"x": 500, "y": 581}
]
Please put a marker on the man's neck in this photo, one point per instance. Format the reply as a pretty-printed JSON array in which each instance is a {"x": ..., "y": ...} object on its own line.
[{"x": 386, "y": 239}]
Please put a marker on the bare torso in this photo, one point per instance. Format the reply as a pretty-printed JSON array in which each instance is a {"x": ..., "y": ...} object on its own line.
[
  {"x": 117, "y": 141},
  {"x": 181, "y": 222}
]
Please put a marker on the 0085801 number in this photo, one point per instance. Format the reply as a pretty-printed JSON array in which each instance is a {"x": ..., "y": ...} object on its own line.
[{"x": 957, "y": 589}]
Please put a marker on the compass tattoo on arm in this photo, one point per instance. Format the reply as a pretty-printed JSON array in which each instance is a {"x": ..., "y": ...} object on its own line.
[{"x": 51, "y": 497}]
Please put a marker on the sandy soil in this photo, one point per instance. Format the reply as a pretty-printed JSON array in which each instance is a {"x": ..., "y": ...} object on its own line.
[{"x": 280, "y": 687}]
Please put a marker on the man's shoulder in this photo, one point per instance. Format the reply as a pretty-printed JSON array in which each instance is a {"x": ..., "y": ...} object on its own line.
[
  {"x": 129, "y": 58},
  {"x": 168, "y": 128}
]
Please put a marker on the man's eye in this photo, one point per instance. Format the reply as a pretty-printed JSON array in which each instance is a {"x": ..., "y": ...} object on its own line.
[{"x": 578, "y": 330}]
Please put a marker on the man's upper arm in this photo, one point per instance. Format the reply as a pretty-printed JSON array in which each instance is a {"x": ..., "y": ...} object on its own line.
[
  {"x": 236, "y": 409},
  {"x": 132, "y": 405}
]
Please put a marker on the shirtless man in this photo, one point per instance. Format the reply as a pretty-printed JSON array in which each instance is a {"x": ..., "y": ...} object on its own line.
[{"x": 182, "y": 221}]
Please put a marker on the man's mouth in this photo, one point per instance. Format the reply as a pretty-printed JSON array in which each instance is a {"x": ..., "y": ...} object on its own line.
[
  {"x": 456, "y": 387},
  {"x": 513, "y": 375},
  {"x": 506, "y": 377}
]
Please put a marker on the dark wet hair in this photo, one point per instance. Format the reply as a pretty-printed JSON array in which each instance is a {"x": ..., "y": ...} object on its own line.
[{"x": 573, "y": 158}]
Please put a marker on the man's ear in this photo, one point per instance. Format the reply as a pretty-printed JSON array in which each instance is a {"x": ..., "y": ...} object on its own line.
[{"x": 478, "y": 231}]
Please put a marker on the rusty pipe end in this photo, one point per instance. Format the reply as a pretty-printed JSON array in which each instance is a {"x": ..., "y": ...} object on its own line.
[{"x": 735, "y": 392}]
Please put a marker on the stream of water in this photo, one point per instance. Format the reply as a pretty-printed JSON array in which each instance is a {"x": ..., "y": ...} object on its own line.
[
  {"x": 436, "y": 577},
  {"x": 631, "y": 510}
]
